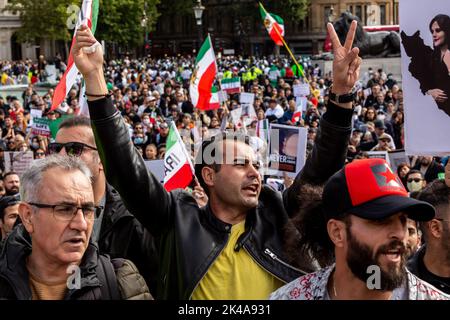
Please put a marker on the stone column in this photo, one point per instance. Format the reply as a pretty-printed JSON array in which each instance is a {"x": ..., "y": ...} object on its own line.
[{"x": 5, "y": 44}]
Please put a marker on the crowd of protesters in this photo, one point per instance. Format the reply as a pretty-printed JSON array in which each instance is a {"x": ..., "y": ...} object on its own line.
[{"x": 151, "y": 93}]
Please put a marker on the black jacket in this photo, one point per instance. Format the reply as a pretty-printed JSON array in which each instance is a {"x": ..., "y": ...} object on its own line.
[
  {"x": 418, "y": 268},
  {"x": 14, "y": 276},
  {"x": 189, "y": 238},
  {"x": 432, "y": 171},
  {"x": 123, "y": 236}
]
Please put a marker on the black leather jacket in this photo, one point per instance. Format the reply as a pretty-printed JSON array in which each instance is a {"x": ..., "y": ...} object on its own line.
[
  {"x": 189, "y": 238},
  {"x": 123, "y": 236}
]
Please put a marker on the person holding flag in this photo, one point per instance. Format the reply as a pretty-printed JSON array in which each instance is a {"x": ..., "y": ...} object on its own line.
[
  {"x": 88, "y": 16},
  {"x": 232, "y": 248}
]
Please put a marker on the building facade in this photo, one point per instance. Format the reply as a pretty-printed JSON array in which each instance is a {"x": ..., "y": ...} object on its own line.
[
  {"x": 10, "y": 48},
  {"x": 231, "y": 32}
]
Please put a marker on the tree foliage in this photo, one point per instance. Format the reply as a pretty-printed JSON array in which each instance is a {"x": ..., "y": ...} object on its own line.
[
  {"x": 120, "y": 21},
  {"x": 41, "y": 19}
]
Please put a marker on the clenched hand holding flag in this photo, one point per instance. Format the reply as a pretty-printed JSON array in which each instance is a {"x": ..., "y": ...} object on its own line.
[{"x": 88, "y": 14}]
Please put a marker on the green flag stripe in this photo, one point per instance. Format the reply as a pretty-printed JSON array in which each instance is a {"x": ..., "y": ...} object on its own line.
[
  {"x": 262, "y": 11},
  {"x": 277, "y": 18},
  {"x": 205, "y": 47},
  {"x": 95, "y": 8}
]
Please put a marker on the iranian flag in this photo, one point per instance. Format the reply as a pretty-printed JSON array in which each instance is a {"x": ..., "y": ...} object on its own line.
[
  {"x": 274, "y": 25},
  {"x": 178, "y": 168},
  {"x": 214, "y": 102},
  {"x": 203, "y": 76},
  {"x": 88, "y": 14},
  {"x": 231, "y": 85}
]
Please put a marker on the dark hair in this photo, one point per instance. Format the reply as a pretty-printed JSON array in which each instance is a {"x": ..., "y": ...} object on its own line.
[
  {"x": 9, "y": 173},
  {"x": 412, "y": 171},
  {"x": 310, "y": 241},
  {"x": 436, "y": 193},
  {"x": 401, "y": 165},
  {"x": 75, "y": 122},
  {"x": 443, "y": 21},
  {"x": 215, "y": 141}
]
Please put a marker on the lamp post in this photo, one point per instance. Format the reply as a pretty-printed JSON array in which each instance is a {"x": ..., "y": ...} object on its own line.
[
  {"x": 144, "y": 26},
  {"x": 198, "y": 13}
]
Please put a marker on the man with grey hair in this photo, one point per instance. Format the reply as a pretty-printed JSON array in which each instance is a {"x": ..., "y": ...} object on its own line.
[
  {"x": 116, "y": 231},
  {"x": 50, "y": 256}
]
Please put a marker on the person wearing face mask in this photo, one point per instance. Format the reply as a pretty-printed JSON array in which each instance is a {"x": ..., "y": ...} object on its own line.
[{"x": 415, "y": 181}]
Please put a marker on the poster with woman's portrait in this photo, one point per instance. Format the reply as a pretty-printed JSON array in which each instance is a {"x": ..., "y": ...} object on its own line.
[
  {"x": 425, "y": 36},
  {"x": 287, "y": 149}
]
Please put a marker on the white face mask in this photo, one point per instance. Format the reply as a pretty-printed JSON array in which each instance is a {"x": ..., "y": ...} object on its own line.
[
  {"x": 414, "y": 186},
  {"x": 381, "y": 117}
]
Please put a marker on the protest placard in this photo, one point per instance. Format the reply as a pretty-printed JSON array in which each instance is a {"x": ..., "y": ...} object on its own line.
[
  {"x": 18, "y": 161},
  {"x": 287, "y": 149}
]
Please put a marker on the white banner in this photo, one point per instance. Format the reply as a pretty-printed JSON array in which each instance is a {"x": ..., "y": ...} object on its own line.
[
  {"x": 426, "y": 81},
  {"x": 18, "y": 161},
  {"x": 301, "y": 90}
]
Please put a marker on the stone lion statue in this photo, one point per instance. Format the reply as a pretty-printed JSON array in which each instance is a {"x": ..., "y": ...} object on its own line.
[{"x": 371, "y": 44}]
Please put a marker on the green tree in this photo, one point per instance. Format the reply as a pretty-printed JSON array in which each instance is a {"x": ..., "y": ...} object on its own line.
[
  {"x": 41, "y": 19},
  {"x": 121, "y": 21}
]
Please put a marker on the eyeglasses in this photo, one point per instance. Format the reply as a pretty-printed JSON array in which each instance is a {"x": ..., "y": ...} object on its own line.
[
  {"x": 40, "y": 153},
  {"x": 414, "y": 179},
  {"x": 440, "y": 219},
  {"x": 72, "y": 148},
  {"x": 66, "y": 212}
]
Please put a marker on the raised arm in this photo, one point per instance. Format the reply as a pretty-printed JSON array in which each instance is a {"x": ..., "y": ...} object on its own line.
[
  {"x": 330, "y": 148},
  {"x": 142, "y": 193}
]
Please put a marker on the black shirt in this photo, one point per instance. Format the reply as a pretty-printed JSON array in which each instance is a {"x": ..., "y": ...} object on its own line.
[{"x": 440, "y": 283}]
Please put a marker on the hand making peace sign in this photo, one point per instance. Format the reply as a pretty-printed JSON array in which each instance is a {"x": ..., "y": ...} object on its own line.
[{"x": 346, "y": 64}]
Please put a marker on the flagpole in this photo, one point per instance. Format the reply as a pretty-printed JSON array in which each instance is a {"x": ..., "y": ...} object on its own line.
[
  {"x": 289, "y": 50},
  {"x": 217, "y": 68}
]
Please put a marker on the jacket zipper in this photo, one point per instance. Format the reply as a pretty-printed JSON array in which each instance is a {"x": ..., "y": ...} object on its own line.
[
  {"x": 209, "y": 265},
  {"x": 274, "y": 257},
  {"x": 260, "y": 264}
]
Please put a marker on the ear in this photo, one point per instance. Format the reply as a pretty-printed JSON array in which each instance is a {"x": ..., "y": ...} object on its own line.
[
  {"x": 208, "y": 175},
  {"x": 25, "y": 214},
  {"x": 337, "y": 232},
  {"x": 435, "y": 228}
]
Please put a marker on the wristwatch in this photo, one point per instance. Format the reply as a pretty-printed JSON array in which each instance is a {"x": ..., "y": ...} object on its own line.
[{"x": 342, "y": 98}]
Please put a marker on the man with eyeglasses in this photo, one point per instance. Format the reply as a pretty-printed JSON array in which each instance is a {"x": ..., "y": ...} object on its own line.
[
  {"x": 432, "y": 261},
  {"x": 50, "y": 255},
  {"x": 117, "y": 232}
]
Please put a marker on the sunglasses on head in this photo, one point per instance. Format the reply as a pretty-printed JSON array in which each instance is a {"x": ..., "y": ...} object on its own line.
[{"x": 72, "y": 148}]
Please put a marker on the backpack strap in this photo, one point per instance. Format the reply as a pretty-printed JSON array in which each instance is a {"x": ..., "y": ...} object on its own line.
[{"x": 108, "y": 280}]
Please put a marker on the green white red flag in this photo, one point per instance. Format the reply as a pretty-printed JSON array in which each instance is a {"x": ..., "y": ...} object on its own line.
[
  {"x": 88, "y": 14},
  {"x": 274, "y": 25},
  {"x": 178, "y": 168},
  {"x": 231, "y": 85},
  {"x": 203, "y": 76}
]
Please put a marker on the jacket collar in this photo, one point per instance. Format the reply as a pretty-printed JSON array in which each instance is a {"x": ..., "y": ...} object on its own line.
[{"x": 13, "y": 264}]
